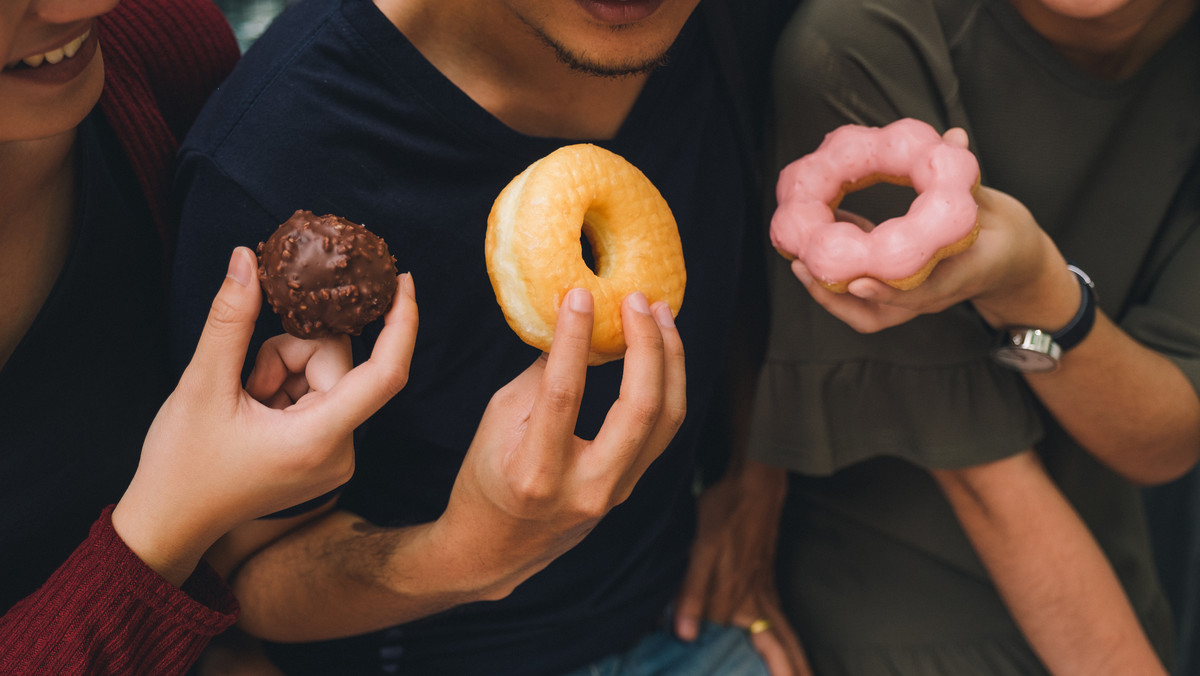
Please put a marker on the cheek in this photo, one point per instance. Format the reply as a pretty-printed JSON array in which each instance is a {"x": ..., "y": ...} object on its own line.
[{"x": 30, "y": 111}]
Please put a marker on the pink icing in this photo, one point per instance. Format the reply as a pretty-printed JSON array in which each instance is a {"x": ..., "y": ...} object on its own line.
[{"x": 944, "y": 211}]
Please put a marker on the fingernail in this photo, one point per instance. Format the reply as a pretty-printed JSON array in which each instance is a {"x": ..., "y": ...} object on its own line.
[
  {"x": 579, "y": 300},
  {"x": 863, "y": 291},
  {"x": 801, "y": 273},
  {"x": 638, "y": 302},
  {"x": 240, "y": 267},
  {"x": 406, "y": 285},
  {"x": 662, "y": 315},
  {"x": 687, "y": 629}
]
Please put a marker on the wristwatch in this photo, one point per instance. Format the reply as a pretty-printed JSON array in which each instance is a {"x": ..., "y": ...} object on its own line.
[{"x": 1031, "y": 350}]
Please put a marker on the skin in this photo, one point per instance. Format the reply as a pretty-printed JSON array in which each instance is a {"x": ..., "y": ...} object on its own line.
[
  {"x": 534, "y": 64},
  {"x": 219, "y": 455},
  {"x": 216, "y": 455},
  {"x": 1124, "y": 403},
  {"x": 37, "y": 134},
  {"x": 528, "y": 489}
]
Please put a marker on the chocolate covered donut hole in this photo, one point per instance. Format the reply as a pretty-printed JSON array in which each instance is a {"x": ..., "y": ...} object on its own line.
[{"x": 324, "y": 275}]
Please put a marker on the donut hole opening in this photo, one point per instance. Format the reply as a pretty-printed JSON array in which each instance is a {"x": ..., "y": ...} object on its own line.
[
  {"x": 587, "y": 247},
  {"x": 878, "y": 202}
]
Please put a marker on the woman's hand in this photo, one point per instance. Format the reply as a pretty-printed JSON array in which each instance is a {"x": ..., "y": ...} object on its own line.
[
  {"x": 731, "y": 573},
  {"x": 218, "y": 455},
  {"x": 1013, "y": 274}
]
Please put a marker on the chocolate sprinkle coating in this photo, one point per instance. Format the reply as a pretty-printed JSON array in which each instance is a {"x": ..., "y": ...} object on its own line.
[{"x": 324, "y": 275}]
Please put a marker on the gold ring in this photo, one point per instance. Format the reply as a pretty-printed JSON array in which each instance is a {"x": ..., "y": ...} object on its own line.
[{"x": 759, "y": 626}]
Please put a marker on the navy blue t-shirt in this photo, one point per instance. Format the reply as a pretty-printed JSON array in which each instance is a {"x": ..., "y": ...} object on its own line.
[{"x": 334, "y": 111}]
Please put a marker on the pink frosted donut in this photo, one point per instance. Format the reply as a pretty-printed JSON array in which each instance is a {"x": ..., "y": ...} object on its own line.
[{"x": 942, "y": 221}]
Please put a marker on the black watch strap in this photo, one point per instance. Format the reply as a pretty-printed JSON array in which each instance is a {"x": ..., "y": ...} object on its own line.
[{"x": 1081, "y": 324}]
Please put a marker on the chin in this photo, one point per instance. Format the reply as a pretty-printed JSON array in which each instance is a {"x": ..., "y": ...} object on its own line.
[
  {"x": 598, "y": 43},
  {"x": 29, "y": 113}
]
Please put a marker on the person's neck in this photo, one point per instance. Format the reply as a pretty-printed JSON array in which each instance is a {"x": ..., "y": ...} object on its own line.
[
  {"x": 498, "y": 62},
  {"x": 37, "y": 206},
  {"x": 1113, "y": 46},
  {"x": 33, "y": 173}
]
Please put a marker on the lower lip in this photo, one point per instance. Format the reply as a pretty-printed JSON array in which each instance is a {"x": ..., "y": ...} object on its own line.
[
  {"x": 618, "y": 13},
  {"x": 61, "y": 72}
]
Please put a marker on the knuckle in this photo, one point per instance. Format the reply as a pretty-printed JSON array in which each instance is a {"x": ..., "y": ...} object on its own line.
[
  {"x": 534, "y": 486},
  {"x": 223, "y": 317},
  {"x": 648, "y": 341},
  {"x": 560, "y": 395},
  {"x": 674, "y": 415},
  {"x": 396, "y": 378},
  {"x": 591, "y": 506},
  {"x": 645, "y": 410}
]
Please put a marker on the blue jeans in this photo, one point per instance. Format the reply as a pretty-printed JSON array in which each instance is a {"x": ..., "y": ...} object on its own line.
[{"x": 718, "y": 651}]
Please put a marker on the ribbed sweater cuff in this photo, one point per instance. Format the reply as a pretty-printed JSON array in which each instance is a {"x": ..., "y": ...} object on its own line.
[{"x": 105, "y": 611}]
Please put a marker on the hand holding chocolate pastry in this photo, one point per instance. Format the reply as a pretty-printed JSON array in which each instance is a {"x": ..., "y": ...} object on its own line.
[{"x": 219, "y": 454}]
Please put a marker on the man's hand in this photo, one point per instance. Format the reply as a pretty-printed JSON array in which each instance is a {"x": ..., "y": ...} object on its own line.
[
  {"x": 528, "y": 491},
  {"x": 731, "y": 574},
  {"x": 536, "y": 488}
]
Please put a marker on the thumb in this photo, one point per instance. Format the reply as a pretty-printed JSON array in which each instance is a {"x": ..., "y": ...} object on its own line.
[
  {"x": 956, "y": 137},
  {"x": 222, "y": 346}
]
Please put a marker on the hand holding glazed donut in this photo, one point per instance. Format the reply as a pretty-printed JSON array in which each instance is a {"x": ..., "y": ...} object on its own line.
[
  {"x": 529, "y": 489},
  {"x": 535, "y": 255}
]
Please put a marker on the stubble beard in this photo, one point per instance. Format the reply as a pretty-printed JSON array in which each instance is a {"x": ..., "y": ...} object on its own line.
[{"x": 579, "y": 61}]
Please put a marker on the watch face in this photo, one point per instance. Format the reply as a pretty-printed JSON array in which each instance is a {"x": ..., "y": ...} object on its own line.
[{"x": 1025, "y": 360}]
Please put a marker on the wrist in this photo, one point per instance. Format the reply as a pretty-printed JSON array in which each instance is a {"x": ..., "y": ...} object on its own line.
[
  {"x": 155, "y": 539},
  {"x": 1045, "y": 296},
  {"x": 459, "y": 564},
  {"x": 1030, "y": 349}
]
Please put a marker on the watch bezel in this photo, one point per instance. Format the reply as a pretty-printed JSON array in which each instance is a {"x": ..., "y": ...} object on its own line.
[{"x": 1028, "y": 350}]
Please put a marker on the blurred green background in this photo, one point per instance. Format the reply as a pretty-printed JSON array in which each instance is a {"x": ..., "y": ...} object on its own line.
[{"x": 250, "y": 18}]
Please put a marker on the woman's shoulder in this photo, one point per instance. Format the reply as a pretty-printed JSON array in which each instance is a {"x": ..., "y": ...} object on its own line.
[{"x": 179, "y": 49}]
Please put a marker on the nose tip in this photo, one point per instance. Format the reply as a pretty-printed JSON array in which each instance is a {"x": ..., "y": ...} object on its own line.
[{"x": 68, "y": 11}]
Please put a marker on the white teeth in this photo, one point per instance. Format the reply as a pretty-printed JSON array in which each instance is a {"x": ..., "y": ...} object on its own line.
[
  {"x": 55, "y": 56},
  {"x": 72, "y": 47}
]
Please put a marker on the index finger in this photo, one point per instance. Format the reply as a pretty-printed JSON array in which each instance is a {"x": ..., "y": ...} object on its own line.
[
  {"x": 368, "y": 386},
  {"x": 556, "y": 405}
]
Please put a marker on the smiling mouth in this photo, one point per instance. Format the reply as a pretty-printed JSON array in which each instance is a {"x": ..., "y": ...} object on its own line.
[{"x": 51, "y": 57}]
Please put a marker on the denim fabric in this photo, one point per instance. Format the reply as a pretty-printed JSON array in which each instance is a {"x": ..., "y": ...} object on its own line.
[{"x": 718, "y": 651}]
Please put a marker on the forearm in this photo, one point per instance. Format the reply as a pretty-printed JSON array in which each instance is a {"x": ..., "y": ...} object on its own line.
[
  {"x": 1052, "y": 575},
  {"x": 1123, "y": 402},
  {"x": 1128, "y": 405},
  {"x": 341, "y": 576}
]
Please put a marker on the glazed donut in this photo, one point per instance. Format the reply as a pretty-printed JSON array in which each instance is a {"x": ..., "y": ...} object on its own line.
[
  {"x": 942, "y": 220},
  {"x": 535, "y": 253}
]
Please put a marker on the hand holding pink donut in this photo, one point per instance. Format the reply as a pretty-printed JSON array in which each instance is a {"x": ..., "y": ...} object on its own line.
[
  {"x": 942, "y": 221},
  {"x": 1004, "y": 274}
]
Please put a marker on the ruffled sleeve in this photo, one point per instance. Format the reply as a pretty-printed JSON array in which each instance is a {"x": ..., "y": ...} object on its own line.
[{"x": 926, "y": 391}]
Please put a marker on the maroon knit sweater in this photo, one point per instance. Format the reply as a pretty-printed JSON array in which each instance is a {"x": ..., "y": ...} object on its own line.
[{"x": 104, "y": 611}]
